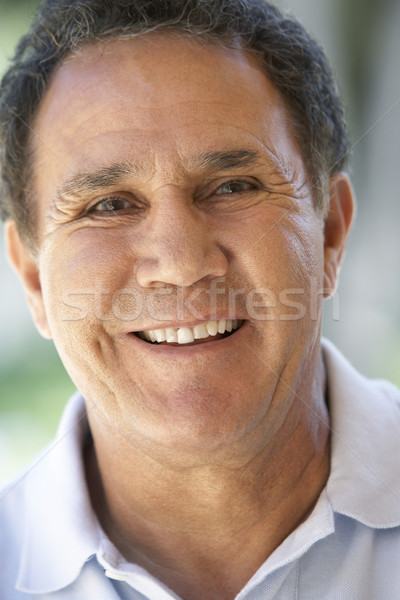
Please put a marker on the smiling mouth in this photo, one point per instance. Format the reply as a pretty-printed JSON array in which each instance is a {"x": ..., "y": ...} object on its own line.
[{"x": 210, "y": 331}]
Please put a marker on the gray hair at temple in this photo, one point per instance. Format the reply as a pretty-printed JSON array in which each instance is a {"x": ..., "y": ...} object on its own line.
[{"x": 292, "y": 60}]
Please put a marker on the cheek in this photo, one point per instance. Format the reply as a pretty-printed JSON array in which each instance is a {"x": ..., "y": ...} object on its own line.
[
  {"x": 300, "y": 278},
  {"x": 77, "y": 292},
  {"x": 80, "y": 282},
  {"x": 282, "y": 259},
  {"x": 279, "y": 250},
  {"x": 302, "y": 248},
  {"x": 84, "y": 276}
]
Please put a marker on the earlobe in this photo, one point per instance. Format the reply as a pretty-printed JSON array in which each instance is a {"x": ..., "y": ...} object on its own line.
[
  {"x": 336, "y": 229},
  {"x": 27, "y": 269}
]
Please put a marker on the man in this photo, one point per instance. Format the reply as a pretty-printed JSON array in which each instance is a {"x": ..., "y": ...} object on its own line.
[{"x": 176, "y": 207}]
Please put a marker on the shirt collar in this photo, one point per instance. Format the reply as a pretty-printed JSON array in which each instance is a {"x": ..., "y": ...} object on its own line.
[
  {"x": 365, "y": 422},
  {"x": 62, "y": 531}
]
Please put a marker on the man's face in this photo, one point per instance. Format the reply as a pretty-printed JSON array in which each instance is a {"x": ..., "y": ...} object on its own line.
[{"x": 172, "y": 192}]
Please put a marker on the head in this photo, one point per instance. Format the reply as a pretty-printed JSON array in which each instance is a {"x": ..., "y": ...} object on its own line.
[
  {"x": 183, "y": 166},
  {"x": 292, "y": 60}
]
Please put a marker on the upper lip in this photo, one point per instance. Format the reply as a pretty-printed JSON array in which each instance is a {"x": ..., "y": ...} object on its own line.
[{"x": 179, "y": 324}]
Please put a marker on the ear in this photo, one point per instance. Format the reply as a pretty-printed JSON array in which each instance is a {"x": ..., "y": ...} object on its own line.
[
  {"x": 336, "y": 229},
  {"x": 27, "y": 269}
]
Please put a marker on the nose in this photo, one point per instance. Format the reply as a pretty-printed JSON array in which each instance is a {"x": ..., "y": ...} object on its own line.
[{"x": 180, "y": 247}]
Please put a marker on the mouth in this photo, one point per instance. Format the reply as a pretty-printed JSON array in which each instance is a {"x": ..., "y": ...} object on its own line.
[{"x": 204, "y": 332}]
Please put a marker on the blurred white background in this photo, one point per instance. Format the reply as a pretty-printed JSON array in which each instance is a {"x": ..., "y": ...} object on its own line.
[{"x": 362, "y": 39}]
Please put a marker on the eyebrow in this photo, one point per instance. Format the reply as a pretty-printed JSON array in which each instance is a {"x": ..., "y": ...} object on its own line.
[
  {"x": 221, "y": 161},
  {"x": 110, "y": 176},
  {"x": 104, "y": 177}
]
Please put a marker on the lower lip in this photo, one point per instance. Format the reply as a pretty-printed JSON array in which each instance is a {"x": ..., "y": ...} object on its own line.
[{"x": 188, "y": 349}]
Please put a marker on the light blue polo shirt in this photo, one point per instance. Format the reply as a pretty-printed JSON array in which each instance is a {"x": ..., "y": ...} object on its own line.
[{"x": 52, "y": 547}]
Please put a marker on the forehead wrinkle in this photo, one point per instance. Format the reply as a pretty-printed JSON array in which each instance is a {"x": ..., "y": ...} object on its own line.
[{"x": 102, "y": 178}]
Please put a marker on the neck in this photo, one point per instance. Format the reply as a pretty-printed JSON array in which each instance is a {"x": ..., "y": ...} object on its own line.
[{"x": 188, "y": 526}]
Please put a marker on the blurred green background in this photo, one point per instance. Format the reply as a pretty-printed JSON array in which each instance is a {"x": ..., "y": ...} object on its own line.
[
  {"x": 33, "y": 383},
  {"x": 362, "y": 40}
]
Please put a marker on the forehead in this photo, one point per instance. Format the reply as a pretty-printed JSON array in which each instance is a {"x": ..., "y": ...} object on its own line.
[{"x": 158, "y": 95}]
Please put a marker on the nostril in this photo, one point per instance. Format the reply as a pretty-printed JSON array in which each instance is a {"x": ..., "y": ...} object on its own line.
[{"x": 178, "y": 261}]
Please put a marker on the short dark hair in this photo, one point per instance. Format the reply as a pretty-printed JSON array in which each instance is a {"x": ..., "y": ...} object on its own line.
[{"x": 292, "y": 60}]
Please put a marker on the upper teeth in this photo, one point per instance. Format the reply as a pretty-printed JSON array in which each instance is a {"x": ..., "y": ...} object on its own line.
[{"x": 186, "y": 335}]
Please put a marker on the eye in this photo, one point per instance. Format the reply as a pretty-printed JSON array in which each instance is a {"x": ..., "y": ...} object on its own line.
[
  {"x": 111, "y": 204},
  {"x": 235, "y": 187}
]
